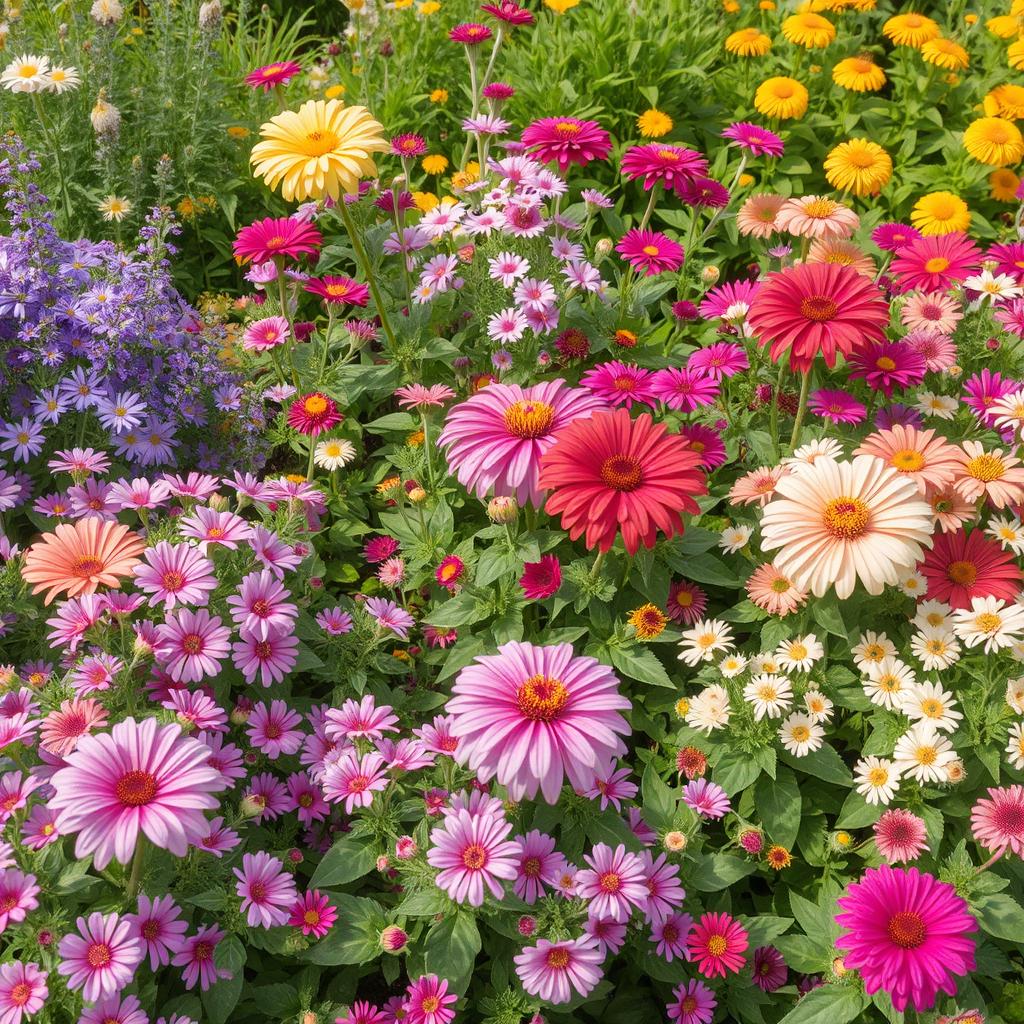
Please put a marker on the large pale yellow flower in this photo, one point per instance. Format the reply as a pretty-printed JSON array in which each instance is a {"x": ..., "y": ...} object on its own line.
[
  {"x": 322, "y": 149},
  {"x": 994, "y": 141},
  {"x": 859, "y": 166}
]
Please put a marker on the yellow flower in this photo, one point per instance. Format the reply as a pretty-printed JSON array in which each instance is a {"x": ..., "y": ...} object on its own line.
[
  {"x": 400, "y": 5},
  {"x": 682, "y": 707},
  {"x": 653, "y": 124},
  {"x": 1003, "y": 185},
  {"x": 415, "y": 439},
  {"x": 858, "y": 74},
  {"x": 424, "y": 200},
  {"x": 1005, "y": 101},
  {"x": 435, "y": 163},
  {"x": 859, "y": 166},
  {"x": 944, "y": 53},
  {"x": 994, "y": 141},
  {"x": 745, "y": 180},
  {"x": 940, "y": 213},
  {"x": 781, "y": 97},
  {"x": 766, "y": 5},
  {"x": 1002, "y": 27},
  {"x": 439, "y": 96},
  {"x": 332, "y": 92},
  {"x": 429, "y": 7},
  {"x": 970, "y": 19},
  {"x": 238, "y": 131},
  {"x": 560, "y": 6},
  {"x": 778, "y": 857},
  {"x": 323, "y": 149},
  {"x": 1017, "y": 8},
  {"x": 809, "y": 30},
  {"x": 469, "y": 174},
  {"x": 1015, "y": 54},
  {"x": 910, "y": 30},
  {"x": 748, "y": 42},
  {"x": 649, "y": 621},
  {"x": 730, "y": 6}
]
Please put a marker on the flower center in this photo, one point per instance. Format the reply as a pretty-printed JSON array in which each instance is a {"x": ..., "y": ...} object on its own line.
[
  {"x": 315, "y": 405},
  {"x": 567, "y": 130},
  {"x": 173, "y": 581},
  {"x": 964, "y": 573},
  {"x": 819, "y": 308},
  {"x": 846, "y": 518},
  {"x": 541, "y": 698},
  {"x": 779, "y": 585},
  {"x": 926, "y": 755},
  {"x": 610, "y": 882},
  {"x": 800, "y": 733},
  {"x": 150, "y": 930},
  {"x": 136, "y": 788},
  {"x": 319, "y": 142},
  {"x": 86, "y": 567},
  {"x": 907, "y": 460},
  {"x": 98, "y": 955},
  {"x": 1009, "y": 819},
  {"x": 474, "y": 857},
  {"x": 937, "y": 265},
  {"x": 650, "y": 250},
  {"x": 558, "y": 958},
  {"x": 885, "y": 363},
  {"x": 986, "y": 468},
  {"x": 528, "y": 419},
  {"x": 202, "y": 951},
  {"x": 20, "y": 994},
  {"x": 621, "y": 473},
  {"x": 717, "y": 945},
  {"x": 820, "y": 208},
  {"x": 531, "y": 867},
  {"x": 192, "y": 644},
  {"x": 931, "y": 708},
  {"x": 906, "y": 929},
  {"x": 878, "y": 776}
]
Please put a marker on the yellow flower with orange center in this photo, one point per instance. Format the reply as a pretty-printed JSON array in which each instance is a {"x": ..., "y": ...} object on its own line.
[
  {"x": 994, "y": 141},
  {"x": 648, "y": 621},
  {"x": 944, "y": 53},
  {"x": 1003, "y": 185},
  {"x": 809, "y": 30},
  {"x": 781, "y": 97},
  {"x": 748, "y": 42},
  {"x": 859, "y": 166},
  {"x": 940, "y": 213},
  {"x": 911, "y": 30}
]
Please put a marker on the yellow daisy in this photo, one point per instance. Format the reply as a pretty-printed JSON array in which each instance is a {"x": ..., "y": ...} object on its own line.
[
  {"x": 910, "y": 30},
  {"x": 435, "y": 163},
  {"x": 1003, "y": 185},
  {"x": 781, "y": 97},
  {"x": 994, "y": 141},
  {"x": 859, "y": 166},
  {"x": 1005, "y": 101},
  {"x": 439, "y": 96},
  {"x": 748, "y": 42},
  {"x": 653, "y": 124},
  {"x": 944, "y": 53},
  {"x": 809, "y": 30},
  {"x": 1003, "y": 27},
  {"x": 1015, "y": 54},
  {"x": 858, "y": 74},
  {"x": 940, "y": 213},
  {"x": 560, "y": 6}
]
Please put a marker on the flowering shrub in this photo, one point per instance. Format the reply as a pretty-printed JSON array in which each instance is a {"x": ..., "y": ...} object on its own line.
[{"x": 611, "y": 633}]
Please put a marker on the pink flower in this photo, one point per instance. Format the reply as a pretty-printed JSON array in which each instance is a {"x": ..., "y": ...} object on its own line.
[
  {"x": 191, "y": 645},
  {"x": 208, "y": 526},
  {"x": 428, "y": 1001},
  {"x": 539, "y": 864},
  {"x": 685, "y": 390},
  {"x": 62, "y": 729},
  {"x": 998, "y": 823},
  {"x": 694, "y": 1003},
  {"x": 136, "y": 777},
  {"x": 686, "y": 602},
  {"x": 270, "y": 660},
  {"x": 388, "y": 615},
  {"x": 266, "y": 334},
  {"x": 102, "y": 958},
  {"x": 334, "y": 621},
  {"x": 541, "y": 579},
  {"x": 15, "y": 789},
  {"x": 618, "y": 383},
  {"x": 900, "y": 835},
  {"x": 334, "y": 289},
  {"x": 769, "y": 971},
  {"x": 262, "y": 605},
  {"x": 670, "y": 936},
  {"x": 266, "y": 890},
  {"x": 664, "y": 893},
  {"x": 22, "y": 990},
  {"x": 471, "y": 851},
  {"x": 533, "y": 715},
  {"x": 707, "y": 442},
  {"x": 609, "y": 935},
  {"x": 314, "y": 913},
  {"x": 170, "y": 573},
  {"x": 18, "y": 893},
  {"x": 159, "y": 925},
  {"x": 611, "y": 788},
  {"x": 657, "y": 163},
  {"x": 417, "y": 396},
  {"x": 469, "y": 33},
  {"x": 40, "y": 828},
  {"x": 272, "y": 729},
  {"x": 754, "y": 139},
  {"x": 354, "y": 779},
  {"x": 614, "y": 883},
  {"x": 306, "y": 798},
  {"x": 567, "y": 140},
  {"x": 552, "y": 971},
  {"x": 271, "y": 238},
  {"x": 723, "y": 359},
  {"x": 197, "y": 957},
  {"x": 115, "y": 1009},
  {"x": 272, "y": 75},
  {"x": 650, "y": 251},
  {"x": 360, "y": 719},
  {"x": 717, "y": 943}
]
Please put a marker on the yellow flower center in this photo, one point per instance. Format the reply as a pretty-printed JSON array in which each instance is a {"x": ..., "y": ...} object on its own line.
[
  {"x": 529, "y": 419},
  {"x": 986, "y": 468},
  {"x": 821, "y": 208},
  {"x": 318, "y": 142},
  {"x": 542, "y": 699},
  {"x": 907, "y": 460},
  {"x": 846, "y": 518},
  {"x": 936, "y": 265}
]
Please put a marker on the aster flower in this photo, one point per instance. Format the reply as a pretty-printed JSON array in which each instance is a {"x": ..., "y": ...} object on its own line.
[
  {"x": 23, "y": 990},
  {"x": 266, "y": 890},
  {"x": 102, "y": 957},
  {"x": 836, "y": 406},
  {"x": 754, "y": 139},
  {"x": 614, "y": 883},
  {"x": 997, "y": 823},
  {"x": 192, "y": 645},
  {"x": 900, "y": 836},
  {"x": 271, "y": 76},
  {"x": 197, "y": 957},
  {"x": 353, "y": 779},
  {"x": 471, "y": 851},
  {"x": 285, "y": 238},
  {"x": 650, "y": 251},
  {"x": 567, "y": 140},
  {"x": 706, "y": 799},
  {"x": 313, "y": 913},
  {"x": 694, "y": 1003},
  {"x": 159, "y": 925},
  {"x": 388, "y": 615},
  {"x": 173, "y": 573},
  {"x": 428, "y": 1001},
  {"x": 552, "y": 971},
  {"x": 18, "y": 893}
]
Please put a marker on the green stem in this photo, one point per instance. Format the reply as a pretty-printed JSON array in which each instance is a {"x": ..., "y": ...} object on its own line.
[
  {"x": 364, "y": 262},
  {"x": 135, "y": 878},
  {"x": 309, "y": 464},
  {"x": 595, "y": 572},
  {"x": 805, "y": 386},
  {"x": 773, "y": 414},
  {"x": 650, "y": 207},
  {"x": 55, "y": 149},
  {"x": 426, "y": 450},
  {"x": 283, "y": 300}
]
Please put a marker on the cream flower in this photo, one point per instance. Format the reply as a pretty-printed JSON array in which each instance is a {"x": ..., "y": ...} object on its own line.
[
  {"x": 888, "y": 681},
  {"x": 928, "y": 702},
  {"x": 702, "y": 641},
  {"x": 989, "y": 622},
  {"x": 922, "y": 753},
  {"x": 801, "y": 735},
  {"x": 769, "y": 695},
  {"x": 877, "y": 779}
]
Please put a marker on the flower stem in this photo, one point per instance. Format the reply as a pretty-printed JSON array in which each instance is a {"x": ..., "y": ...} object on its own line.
[
  {"x": 426, "y": 449},
  {"x": 984, "y": 867},
  {"x": 364, "y": 262},
  {"x": 135, "y": 878},
  {"x": 650, "y": 207},
  {"x": 805, "y": 386},
  {"x": 309, "y": 464},
  {"x": 595, "y": 572}
]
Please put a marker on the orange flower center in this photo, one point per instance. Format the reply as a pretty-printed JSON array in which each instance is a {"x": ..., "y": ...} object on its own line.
[
  {"x": 136, "y": 788},
  {"x": 907, "y": 460},
  {"x": 527, "y": 419},
  {"x": 87, "y": 566},
  {"x": 173, "y": 581},
  {"x": 650, "y": 250},
  {"x": 846, "y": 518},
  {"x": 717, "y": 945},
  {"x": 819, "y": 308},
  {"x": 964, "y": 573},
  {"x": 610, "y": 882},
  {"x": 541, "y": 698},
  {"x": 192, "y": 643},
  {"x": 98, "y": 955},
  {"x": 474, "y": 856},
  {"x": 19, "y": 995},
  {"x": 906, "y": 929},
  {"x": 558, "y": 958},
  {"x": 885, "y": 363},
  {"x": 986, "y": 468},
  {"x": 621, "y": 473},
  {"x": 936, "y": 265},
  {"x": 820, "y": 208},
  {"x": 319, "y": 142},
  {"x": 315, "y": 405},
  {"x": 567, "y": 130}
]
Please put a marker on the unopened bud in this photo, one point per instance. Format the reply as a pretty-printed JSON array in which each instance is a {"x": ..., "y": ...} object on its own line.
[
  {"x": 393, "y": 939},
  {"x": 252, "y": 805},
  {"x": 417, "y": 495},
  {"x": 503, "y": 509},
  {"x": 603, "y": 247},
  {"x": 710, "y": 274},
  {"x": 675, "y": 842}
]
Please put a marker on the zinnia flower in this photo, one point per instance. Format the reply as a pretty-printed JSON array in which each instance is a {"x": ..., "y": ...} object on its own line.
[
  {"x": 754, "y": 139},
  {"x": 473, "y": 850},
  {"x": 611, "y": 473},
  {"x": 567, "y": 140},
  {"x": 717, "y": 944},
  {"x": 998, "y": 823},
  {"x": 668, "y": 165}
]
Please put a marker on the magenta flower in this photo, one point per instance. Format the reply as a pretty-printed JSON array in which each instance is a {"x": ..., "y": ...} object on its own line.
[
  {"x": 334, "y": 290},
  {"x": 285, "y": 238},
  {"x": 471, "y": 851},
  {"x": 18, "y": 893},
  {"x": 173, "y": 573},
  {"x": 754, "y": 139},
  {"x": 541, "y": 579},
  {"x": 270, "y": 660},
  {"x": 360, "y": 719},
  {"x": 723, "y": 359},
  {"x": 685, "y": 390},
  {"x": 136, "y": 777},
  {"x": 893, "y": 236},
  {"x": 334, "y": 621},
  {"x": 664, "y": 893},
  {"x": 266, "y": 334},
  {"x": 717, "y": 944},
  {"x": 552, "y": 971},
  {"x": 313, "y": 913},
  {"x": 706, "y": 442},
  {"x": 657, "y": 163},
  {"x": 115, "y": 1009},
  {"x": 836, "y": 406},
  {"x": 266, "y": 890},
  {"x": 650, "y": 251},
  {"x": 614, "y": 883},
  {"x": 670, "y": 937},
  {"x": 23, "y": 990},
  {"x": 191, "y": 645},
  {"x": 428, "y": 1001},
  {"x": 197, "y": 957},
  {"x": 567, "y": 140},
  {"x": 509, "y": 12},
  {"x": 271, "y": 75},
  {"x": 886, "y": 365},
  {"x": 618, "y": 383},
  {"x": 907, "y": 934},
  {"x": 694, "y": 1003},
  {"x": 707, "y": 799},
  {"x": 271, "y": 729},
  {"x": 470, "y": 33},
  {"x": 262, "y": 606},
  {"x": 539, "y": 865},
  {"x": 160, "y": 927},
  {"x": 353, "y": 779},
  {"x": 40, "y": 828},
  {"x": 769, "y": 971},
  {"x": 101, "y": 959}
]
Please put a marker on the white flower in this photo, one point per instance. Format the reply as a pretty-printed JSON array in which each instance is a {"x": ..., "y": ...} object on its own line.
[
  {"x": 800, "y": 653},
  {"x": 707, "y": 636},
  {"x": 991, "y": 287},
  {"x": 1015, "y": 748},
  {"x": 334, "y": 453},
  {"x": 732, "y": 665},
  {"x": 1008, "y": 531},
  {"x": 871, "y": 649},
  {"x": 765, "y": 662},
  {"x": 114, "y": 208},
  {"x": 914, "y": 585},
  {"x": 931, "y": 404},
  {"x": 734, "y": 538},
  {"x": 800, "y": 734},
  {"x": 930, "y": 703},
  {"x": 888, "y": 681},
  {"x": 770, "y": 696},
  {"x": 989, "y": 621},
  {"x": 107, "y": 12},
  {"x": 923, "y": 754},
  {"x": 1015, "y": 695},
  {"x": 931, "y": 615},
  {"x": 105, "y": 117},
  {"x": 935, "y": 648},
  {"x": 61, "y": 80},
  {"x": 808, "y": 454},
  {"x": 1008, "y": 412},
  {"x": 27, "y": 73},
  {"x": 819, "y": 707},
  {"x": 709, "y": 710},
  {"x": 877, "y": 779}
]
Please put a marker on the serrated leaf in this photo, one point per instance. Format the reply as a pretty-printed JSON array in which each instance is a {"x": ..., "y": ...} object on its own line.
[{"x": 640, "y": 664}]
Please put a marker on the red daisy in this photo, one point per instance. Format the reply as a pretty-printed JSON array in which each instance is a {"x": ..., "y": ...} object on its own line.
[
  {"x": 672, "y": 166},
  {"x": 279, "y": 73},
  {"x": 567, "y": 140},
  {"x": 934, "y": 262},
  {"x": 962, "y": 566},
  {"x": 338, "y": 289},
  {"x": 313, "y": 414},
  {"x": 817, "y": 307},
  {"x": 274, "y": 237},
  {"x": 650, "y": 251},
  {"x": 610, "y": 473}
]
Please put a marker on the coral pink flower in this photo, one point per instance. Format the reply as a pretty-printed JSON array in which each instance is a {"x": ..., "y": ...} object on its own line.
[
  {"x": 266, "y": 334},
  {"x": 313, "y": 913},
  {"x": 773, "y": 591},
  {"x": 931, "y": 311},
  {"x": 758, "y": 486},
  {"x": 900, "y": 835},
  {"x": 921, "y": 455},
  {"x": 567, "y": 140},
  {"x": 938, "y": 351},
  {"x": 471, "y": 851},
  {"x": 533, "y": 715},
  {"x": 758, "y": 216},
  {"x": 542, "y": 579},
  {"x": 907, "y": 934},
  {"x": 614, "y": 883},
  {"x": 552, "y": 971},
  {"x": 102, "y": 958},
  {"x": 23, "y": 990},
  {"x": 62, "y": 729},
  {"x": 990, "y": 474},
  {"x": 962, "y": 566},
  {"x": 285, "y": 238},
  {"x": 138, "y": 777},
  {"x": 816, "y": 217},
  {"x": 354, "y": 779},
  {"x": 717, "y": 944},
  {"x": 935, "y": 262},
  {"x": 998, "y": 823},
  {"x": 266, "y": 890},
  {"x": 271, "y": 75}
]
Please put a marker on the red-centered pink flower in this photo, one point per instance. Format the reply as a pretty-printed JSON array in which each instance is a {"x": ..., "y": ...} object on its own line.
[
  {"x": 197, "y": 954},
  {"x": 618, "y": 383},
  {"x": 266, "y": 890},
  {"x": 18, "y": 893},
  {"x": 684, "y": 389},
  {"x": 614, "y": 883},
  {"x": 769, "y": 972},
  {"x": 900, "y": 835},
  {"x": 933, "y": 263},
  {"x": 650, "y": 251},
  {"x": 717, "y": 944},
  {"x": 817, "y": 308},
  {"x": 271, "y": 75},
  {"x": 175, "y": 573},
  {"x": 539, "y": 865},
  {"x": 962, "y": 566},
  {"x": 409, "y": 144},
  {"x": 23, "y": 990},
  {"x": 276, "y": 238},
  {"x": 314, "y": 413},
  {"x": 533, "y": 716},
  {"x": 611, "y": 474},
  {"x": 836, "y": 406},
  {"x": 336, "y": 290},
  {"x": 418, "y": 396},
  {"x": 552, "y": 971},
  {"x": 191, "y": 645},
  {"x": 139, "y": 777},
  {"x": 906, "y": 934},
  {"x": 471, "y": 851},
  {"x": 102, "y": 957},
  {"x": 160, "y": 926},
  {"x": 671, "y": 166},
  {"x": 998, "y": 822},
  {"x": 353, "y": 780},
  {"x": 542, "y": 579},
  {"x": 567, "y": 140},
  {"x": 694, "y": 1003}
]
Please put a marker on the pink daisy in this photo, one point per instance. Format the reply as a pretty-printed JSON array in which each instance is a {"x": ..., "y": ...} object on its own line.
[
  {"x": 115, "y": 1009},
  {"x": 18, "y": 893},
  {"x": 15, "y": 789},
  {"x": 192, "y": 645},
  {"x": 218, "y": 840},
  {"x": 271, "y": 75},
  {"x": 170, "y": 573},
  {"x": 706, "y": 442},
  {"x": 754, "y": 139},
  {"x": 723, "y": 359},
  {"x": 210, "y": 527},
  {"x": 900, "y": 835},
  {"x": 23, "y": 990},
  {"x": 567, "y": 140},
  {"x": 334, "y": 621},
  {"x": 417, "y": 396},
  {"x": 272, "y": 729},
  {"x": 540, "y": 580},
  {"x": 428, "y": 1001},
  {"x": 618, "y": 383},
  {"x": 360, "y": 719},
  {"x": 650, "y": 251},
  {"x": 269, "y": 660},
  {"x": 160, "y": 927},
  {"x": 769, "y": 970},
  {"x": 707, "y": 799},
  {"x": 886, "y": 365},
  {"x": 62, "y": 729},
  {"x": 539, "y": 865},
  {"x": 717, "y": 944},
  {"x": 276, "y": 238},
  {"x": 614, "y": 883},
  {"x": 611, "y": 787},
  {"x": 686, "y": 602},
  {"x": 670, "y": 937},
  {"x": 610, "y": 936},
  {"x": 685, "y": 390},
  {"x": 664, "y": 893},
  {"x": 196, "y": 955},
  {"x": 40, "y": 828},
  {"x": 353, "y": 779},
  {"x": 262, "y": 606},
  {"x": 313, "y": 913},
  {"x": 998, "y": 823},
  {"x": 931, "y": 311},
  {"x": 836, "y": 406},
  {"x": 935, "y": 262},
  {"x": 694, "y": 1003},
  {"x": 101, "y": 959},
  {"x": 668, "y": 165},
  {"x": 266, "y": 890},
  {"x": 471, "y": 851},
  {"x": 553, "y": 971},
  {"x": 306, "y": 798},
  {"x": 266, "y": 334}
]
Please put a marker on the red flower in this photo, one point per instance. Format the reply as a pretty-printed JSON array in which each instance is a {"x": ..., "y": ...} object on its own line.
[
  {"x": 962, "y": 566},
  {"x": 817, "y": 307},
  {"x": 313, "y": 414},
  {"x": 609, "y": 473},
  {"x": 274, "y": 237}
]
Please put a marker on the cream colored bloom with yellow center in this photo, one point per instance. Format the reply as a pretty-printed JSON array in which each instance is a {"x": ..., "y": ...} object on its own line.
[
  {"x": 877, "y": 779},
  {"x": 27, "y": 73},
  {"x": 322, "y": 149}
]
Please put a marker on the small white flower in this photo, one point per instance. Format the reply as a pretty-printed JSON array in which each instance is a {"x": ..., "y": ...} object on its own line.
[
  {"x": 800, "y": 653},
  {"x": 914, "y": 585},
  {"x": 819, "y": 707},
  {"x": 27, "y": 73},
  {"x": 107, "y": 12},
  {"x": 732, "y": 665},
  {"x": 709, "y": 710},
  {"x": 877, "y": 779},
  {"x": 801, "y": 735},
  {"x": 932, "y": 615},
  {"x": 923, "y": 754},
  {"x": 990, "y": 622},
  {"x": 1015, "y": 748},
  {"x": 705, "y": 638},
  {"x": 888, "y": 681},
  {"x": 871, "y": 649},
  {"x": 334, "y": 453},
  {"x": 1008, "y": 531},
  {"x": 929, "y": 702},
  {"x": 766, "y": 663},
  {"x": 936, "y": 648},
  {"x": 991, "y": 287},
  {"x": 734, "y": 538},
  {"x": 1008, "y": 412},
  {"x": 61, "y": 80},
  {"x": 114, "y": 208},
  {"x": 941, "y": 406},
  {"x": 770, "y": 696},
  {"x": 1015, "y": 695},
  {"x": 808, "y": 454}
]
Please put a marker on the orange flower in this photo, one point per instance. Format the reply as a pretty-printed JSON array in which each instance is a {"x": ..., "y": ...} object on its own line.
[{"x": 76, "y": 559}]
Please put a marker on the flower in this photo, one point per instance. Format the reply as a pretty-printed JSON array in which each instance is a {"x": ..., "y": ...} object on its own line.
[
  {"x": 754, "y": 139},
  {"x": 911, "y": 30},
  {"x": 650, "y": 251},
  {"x": 653, "y": 124},
  {"x": 23, "y": 990},
  {"x": 428, "y": 1001},
  {"x": 191, "y": 645},
  {"x": 313, "y": 914},
  {"x": 998, "y": 822},
  {"x": 648, "y": 621},
  {"x": 748, "y": 42},
  {"x": 314, "y": 413},
  {"x": 836, "y": 406},
  {"x": 717, "y": 944},
  {"x": 800, "y": 734},
  {"x": 354, "y": 779},
  {"x": 835, "y": 523},
  {"x": 553, "y": 970},
  {"x": 470, "y": 33},
  {"x": 684, "y": 389},
  {"x": 496, "y": 439},
  {"x": 614, "y": 883},
  {"x": 158, "y": 923},
  {"x": 809, "y": 30},
  {"x": 859, "y": 166},
  {"x": 674, "y": 167},
  {"x": 567, "y": 140},
  {"x": 773, "y": 591},
  {"x": 197, "y": 956},
  {"x": 335, "y": 289},
  {"x": 266, "y": 890},
  {"x": 276, "y": 238},
  {"x": 781, "y": 97},
  {"x": 933, "y": 263},
  {"x": 271, "y": 75},
  {"x": 994, "y": 141},
  {"x": 962, "y": 566},
  {"x": 541, "y": 580},
  {"x": 27, "y": 73},
  {"x": 812, "y": 308},
  {"x": 940, "y": 213},
  {"x": 18, "y": 893},
  {"x": 471, "y": 851},
  {"x": 139, "y": 776},
  {"x": 900, "y": 836},
  {"x": 333, "y": 453},
  {"x": 617, "y": 383},
  {"x": 610, "y": 473},
  {"x": 858, "y": 74},
  {"x": 323, "y": 149},
  {"x": 816, "y": 217},
  {"x": 945, "y": 53},
  {"x": 530, "y": 716},
  {"x": 757, "y": 216},
  {"x": 990, "y": 474},
  {"x": 907, "y": 934},
  {"x": 706, "y": 799},
  {"x": 101, "y": 959},
  {"x": 877, "y": 779},
  {"x": 769, "y": 969},
  {"x": 694, "y": 1003},
  {"x": 78, "y": 558}
]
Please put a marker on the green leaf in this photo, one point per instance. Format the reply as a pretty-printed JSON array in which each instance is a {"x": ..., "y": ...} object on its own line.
[
  {"x": 823, "y": 763},
  {"x": 640, "y": 664},
  {"x": 495, "y": 561},
  {"x": 451, "y": 947},
  {"x": 422, "y": 904},
  {"x": 780, "y": 806},
  {"x": 719, "y": 871},
  {"x": 765, "y": 928},
  {"x": 829, "y": 1004},
  {"x": 397, "y": 421},
  {"x": 1002, "y": 916},
  {"x": 802, "y": 953},
  {"x": 735, "y": 771},
  {"x": 858, "y": 813},
  {"x": 354, "y": 937},
  {"x": 347, "y": 860},
  {"x": 704, "y": 568},
  {"x": 818, "y": 922},
  {"x": 458, "y": 611},
  {"x": 659, "y": 800},
  {"x": 826, "y": 613}
]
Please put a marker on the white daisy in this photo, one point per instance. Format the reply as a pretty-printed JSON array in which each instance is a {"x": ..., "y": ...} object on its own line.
[
  {"x": 800, "y": 653},
  {"x": 923, "y": 754},
  {"x": 819, "y": 707},
  {"x": 770, "y": 696},
  {"x": 709, "y": 710},
  {"x": 334, "y": 453},
  {"x": 991, "y": 287},
  {"x": 1008, "y": 412},
  {"x": 871, "y": 649},
  {"x": 27, "y": 73},
  {"x": 929, "y": 702},
  {"x": 766, "y": 663},
  {"x": 1008, "y": 531},
  {"x": 1015, "y": 695},
  {"x": 734, "y": 538},
  {"x": 61, "y": 80},
  {"x": 732, "y": 665},
  {"x": 914, "y": 585},
  {"x": 932, "y": 615},
  {"x": 808, "y": 454},
  {"x": 888, "y": 681},
  {"x": 941, "y": 406},
  {"x": 801, "y": 735},
  {"x": 707, "y": 636},
  {"x": 114, "y": 208},
  {"x": 990, "y": 622},
  {"x": 1015, "y": 748},
  {"x": 877, "y": 779},
  {"x": 935, "y": 648}
]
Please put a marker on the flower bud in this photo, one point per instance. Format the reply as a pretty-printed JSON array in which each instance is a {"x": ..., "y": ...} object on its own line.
[
  {"x": 503, "y": 509},
  {"x": 675, "y": 842},
  {"x": 393, "y": 940},
  {"x": 417, "y": 495},
  {"x": 383, "y": 862},
  {"x": 405, "y": 847},
  {"x": 710, "y": 274},
  {"x": 603, "y": 247},
  {"x": 526, "y": 925},
  {"x": 252, "y": 805}
]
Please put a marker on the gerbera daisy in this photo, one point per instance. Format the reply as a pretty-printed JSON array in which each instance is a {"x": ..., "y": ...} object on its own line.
[
  {"x": 935, "y": 262},
  {"x": 76, "y": 559},
  {"x": 892, "y": 236},
  {"x": 618, "y": 383},
  {"x": 907, "y": 934},
  {"x": 920, "y": 455},
  {"x": 900, "y": 836},
  {"x": 990, "y": 474},
  {"x": 276, "y": 238},
  {"x": 836, "y": 406},
  {"x": 723, "y": 359},
  {"x": 997, "y": 823},
  {"x": 757, "y": 216},
  {"x": 686, "y": 602},
  {"x": 614, "y": 883},
  {"x": 552, "y": 971},
  {"x": 173, "y": 573},
  {"x": 858, "y": 74},
  {"x": 684, "y": 389},
  {"x": 610, "y": 474},
  {"x": 757, "y": 486},
  {"x": 271, "y": 75},
  {"x": 717, "y": 944},
  {"x": 774, "y": 592},
  {"x": 191, "y": 645},
  {"x": 939, "y": 352},
  {"x": 843, "y": 253},
  {"x": 672, "y": 166},
  {"x": 471, "y": 851},
  {"x": 314, "y": 413},
  {"x": 781, "y": 97},
  {"x": 650, "y": 251},
  {"x": 323, "y": 149},
  {"x": 62, "y": 729},
  {"x": 335, "y": 290},
  {"x": 940, "y": 213},
  {"x": 542, "y": 579},
  {"x": 567, "y": 140},
  {"x": 835, "y": 523},
  {"x": 816, "y": 217},
  {"x": 961, "y": 566},
  {"x": 886, "y": 365},
  {"x": 994, "y": 141},
  {"x": 706, "y": 799},
  {"x": 859, "y": 166}
]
